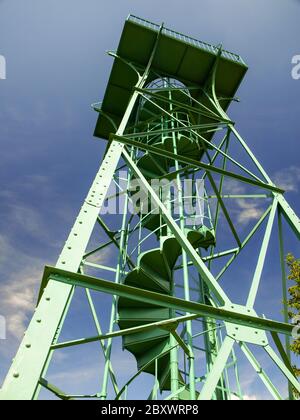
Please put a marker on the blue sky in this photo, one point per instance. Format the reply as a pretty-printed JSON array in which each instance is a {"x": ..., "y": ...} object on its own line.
[{"x": 57, "y": 67}]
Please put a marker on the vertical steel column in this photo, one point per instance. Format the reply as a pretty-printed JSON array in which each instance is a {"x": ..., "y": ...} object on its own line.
[
  {"x": 189, "y": 331},
  {"x": 118, "y": 275}
]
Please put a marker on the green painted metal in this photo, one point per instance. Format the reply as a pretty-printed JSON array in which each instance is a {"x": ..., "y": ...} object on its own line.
[
  {"x": 260, "y": 372},
  {"x": 197, "y": 164},
  {"x": 163, "y": 110},
  {"x": 262, "y": 256},
  {"x": 177, "y": 55},
  {"x": 154, "y": 298},
  {"x": 217, "y": 369}
]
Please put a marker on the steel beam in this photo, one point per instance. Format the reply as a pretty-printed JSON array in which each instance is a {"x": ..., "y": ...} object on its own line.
[
  {"x": 195, "y": 163},
  {"x": 146, "y": 296}
]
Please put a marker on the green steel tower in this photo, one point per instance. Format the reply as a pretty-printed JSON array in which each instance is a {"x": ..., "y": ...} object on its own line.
[{"x": 184, "y": 177}]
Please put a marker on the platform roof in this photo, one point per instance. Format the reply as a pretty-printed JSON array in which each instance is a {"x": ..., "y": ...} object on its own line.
[{"x": 178, "y": 56}]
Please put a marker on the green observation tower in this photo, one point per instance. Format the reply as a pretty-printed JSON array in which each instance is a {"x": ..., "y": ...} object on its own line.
[{"x": 174, "y": 299}]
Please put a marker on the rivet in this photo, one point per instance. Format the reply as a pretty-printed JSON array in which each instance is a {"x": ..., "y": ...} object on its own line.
[
  {"x": 39, "y": 321},
  {"x": 28, "y": 346},
  {"x": 47, "y": 298},
  {"x": 16, "y": 375}
]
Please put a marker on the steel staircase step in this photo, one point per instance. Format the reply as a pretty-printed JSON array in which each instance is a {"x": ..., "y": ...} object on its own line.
[
  {"x": 153, "y": 164},
  {"x": 163, "y": 363},
  {"x": 143, "y": 343},
  {"x": 132, "y": 304},
  {"x": 144, "y": 280},
  {"x": 171, "y": 250},
  {"x": 152, "y": 222},
  {"x": 133, "y": 317},
  {"x": 154, "y": 268},
  {"x": 202, "y": 237},
  {"x": 155, "y": 265}
]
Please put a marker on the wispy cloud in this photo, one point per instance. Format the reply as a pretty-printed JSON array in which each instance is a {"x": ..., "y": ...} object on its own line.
[
  {"x": 18, "y": 290},
  {"x": 26, "y": 211},
  {"x": 247, "y": 210},
  {"x": 245, "y": 398},
  {"x": 22, "y": 262},
  {"x": 102, "y": 257},
  {"x": 244, "y": 210},
  {"x": 69, "y": 377},
  {"x": 37, "y": 114},
  {"x": 288, "y": 179}
]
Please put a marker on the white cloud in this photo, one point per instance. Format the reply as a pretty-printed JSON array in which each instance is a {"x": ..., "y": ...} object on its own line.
[
  {"x": 231, "y": 186},
  {"x": 19, "y": 287},
  {"x": 21, "y": 268},
  {"x": 18, "y": 297},
  {"x": 288, "y": 178},
  {"x": 28, "y": 218},
  {"x": 103, "y": 256},
  {"x": 245, "y": 398},
  {"x": 22, "y": 216},
  {"x": 244, "y": 210},
  {"x": 249, "y": 210},
  {"x": 71, "y": 377}
]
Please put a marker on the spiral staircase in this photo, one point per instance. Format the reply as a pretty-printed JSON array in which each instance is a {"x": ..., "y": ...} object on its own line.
[{"x": 154, "y": 268}]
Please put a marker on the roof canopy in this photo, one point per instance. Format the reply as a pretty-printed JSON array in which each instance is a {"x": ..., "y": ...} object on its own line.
[{"x": 178, "y": 56}]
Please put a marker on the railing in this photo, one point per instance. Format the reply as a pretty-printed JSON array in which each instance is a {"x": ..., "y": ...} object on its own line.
[{"x": 212, "y": 49}]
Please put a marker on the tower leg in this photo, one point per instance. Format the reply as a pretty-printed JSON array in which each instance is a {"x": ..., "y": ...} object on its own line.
[{"x": 22, "y": 381}]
